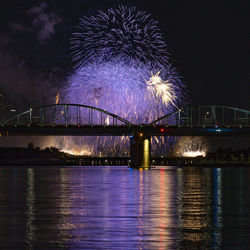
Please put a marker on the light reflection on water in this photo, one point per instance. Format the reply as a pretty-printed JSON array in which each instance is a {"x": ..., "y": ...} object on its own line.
[
  {"x": 121, "y": 208},
  {"x": 30, "y": 213}
]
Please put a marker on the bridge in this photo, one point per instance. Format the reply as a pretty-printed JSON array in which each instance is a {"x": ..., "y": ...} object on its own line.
[{"x": 82, "y": 120}]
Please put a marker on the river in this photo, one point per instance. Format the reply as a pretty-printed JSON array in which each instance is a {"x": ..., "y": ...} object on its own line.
[{"x": 122, "y": 208}]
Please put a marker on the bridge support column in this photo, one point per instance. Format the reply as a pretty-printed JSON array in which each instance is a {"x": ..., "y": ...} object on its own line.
[{"x": 140, "y": 147}]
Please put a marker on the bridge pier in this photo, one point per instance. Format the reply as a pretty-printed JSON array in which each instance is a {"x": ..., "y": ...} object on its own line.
[{"x": 140, "y": 147}]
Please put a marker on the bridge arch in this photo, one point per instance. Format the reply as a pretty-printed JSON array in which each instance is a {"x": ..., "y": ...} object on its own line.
[{"x": 66, "y": 114}]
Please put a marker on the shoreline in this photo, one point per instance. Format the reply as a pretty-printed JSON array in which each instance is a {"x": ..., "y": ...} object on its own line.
[
  {"x": 32, "y": 156},
  {"x": 96, "y": 161}
]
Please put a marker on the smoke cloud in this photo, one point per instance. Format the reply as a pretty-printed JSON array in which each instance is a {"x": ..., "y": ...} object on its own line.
[{"x": 43, "y": 23}]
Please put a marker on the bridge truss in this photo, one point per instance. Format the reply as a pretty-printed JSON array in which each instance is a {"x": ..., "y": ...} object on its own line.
[
  {"x": 66, "y": 115},
  {"x": 206, "y": 116},
  {"x": 83, "y": 120}
]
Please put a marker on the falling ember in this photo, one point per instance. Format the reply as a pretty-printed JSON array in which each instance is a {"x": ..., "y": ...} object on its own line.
[
  {"x": 57, "y": 98},
  {"x": 107, "y": 121}
]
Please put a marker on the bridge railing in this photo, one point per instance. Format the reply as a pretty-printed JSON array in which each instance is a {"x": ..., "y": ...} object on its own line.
[
  {"x": 83, "y": 115},
  {"x": 213, "y": 115},
  {"x": 206, "y": 116},
  {"x": 66, "y": 115}
]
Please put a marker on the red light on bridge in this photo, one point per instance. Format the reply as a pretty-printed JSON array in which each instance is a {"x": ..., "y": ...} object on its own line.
[{"x": 162, "y": 130}]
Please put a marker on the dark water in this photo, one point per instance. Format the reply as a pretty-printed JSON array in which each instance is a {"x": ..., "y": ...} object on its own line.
[{"x": 121, "y": 208}]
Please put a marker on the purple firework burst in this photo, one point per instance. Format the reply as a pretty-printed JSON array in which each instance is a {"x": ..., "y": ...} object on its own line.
[
  {"x": 122, "y": 66},
  {"x": 122, "y": 32}
]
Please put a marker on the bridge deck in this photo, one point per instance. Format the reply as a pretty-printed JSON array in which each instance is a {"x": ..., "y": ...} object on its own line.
[{"x": 157, "y": 130}]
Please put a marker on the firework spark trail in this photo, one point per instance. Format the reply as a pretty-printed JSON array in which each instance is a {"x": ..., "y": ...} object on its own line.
[
  {"x": 162, "y": 89},
  {"x": 57, "y": 98},
  {"x": 122, "y": 65}
]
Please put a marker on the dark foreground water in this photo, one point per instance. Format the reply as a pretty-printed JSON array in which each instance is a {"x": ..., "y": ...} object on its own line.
[{"x": 121, "y": 208}]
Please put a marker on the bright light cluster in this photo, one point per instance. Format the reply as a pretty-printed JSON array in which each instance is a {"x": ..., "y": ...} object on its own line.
[
  {"x": 191, "y": 146},
  {"x": 194, "y": 153},
  {"x": 162, "y": 89},
  {"x": 76, "y": 151}
]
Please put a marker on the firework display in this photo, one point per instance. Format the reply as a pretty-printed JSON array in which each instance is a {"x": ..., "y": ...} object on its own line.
[
  {"x": 124, "y": 33},
  {"x": 122, "y": 65},
  {"x": 189, "y": 146},
  {"x": 130, "y": 91}
]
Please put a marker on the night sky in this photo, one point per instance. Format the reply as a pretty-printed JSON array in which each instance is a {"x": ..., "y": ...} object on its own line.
[{"x": 208, "y": 42}]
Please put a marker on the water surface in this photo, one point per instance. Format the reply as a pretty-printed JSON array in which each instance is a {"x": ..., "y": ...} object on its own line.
[{"x": 122, "y": 208}]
